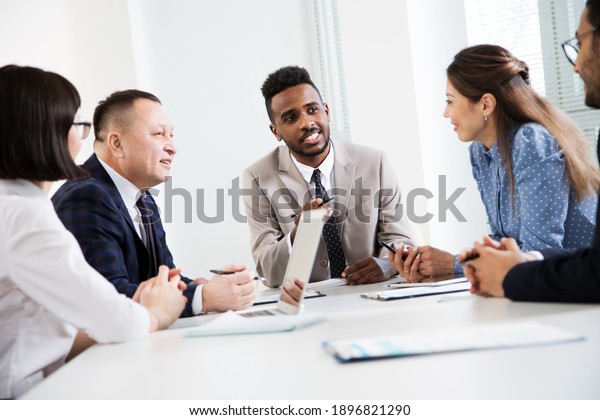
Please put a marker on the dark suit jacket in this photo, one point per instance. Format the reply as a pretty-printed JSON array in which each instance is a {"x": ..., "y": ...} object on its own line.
[
  {"x": 562, "y": 277},
  {"x": 93, "y": 210}
]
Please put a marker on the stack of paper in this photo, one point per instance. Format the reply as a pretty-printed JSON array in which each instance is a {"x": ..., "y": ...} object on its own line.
[
  {"x": 417, "y": 289},
  {"x": 497, "y": 336}
]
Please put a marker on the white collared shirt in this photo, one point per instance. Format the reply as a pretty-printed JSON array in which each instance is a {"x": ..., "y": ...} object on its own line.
[
  {"x": 130, "y": 193},
  {"x": 326, "y": 168},
  {"x": 48, "y": 291}
]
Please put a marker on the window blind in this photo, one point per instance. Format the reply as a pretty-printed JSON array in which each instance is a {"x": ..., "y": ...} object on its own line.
[
  {"x": 534, "y": 31},
  {"x": 327, "y": 63}
]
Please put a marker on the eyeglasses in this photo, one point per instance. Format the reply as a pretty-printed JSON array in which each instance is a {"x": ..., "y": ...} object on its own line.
[
  {"x": 84, "y": 128},
  {"x": 571, "y": 47}
]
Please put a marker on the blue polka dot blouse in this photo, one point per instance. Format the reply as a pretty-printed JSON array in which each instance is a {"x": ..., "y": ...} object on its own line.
[{"x": 546, "y": 213}]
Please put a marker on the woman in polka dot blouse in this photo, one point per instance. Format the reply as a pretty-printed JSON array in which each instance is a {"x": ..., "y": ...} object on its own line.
[{"x": 533, "y": 167}]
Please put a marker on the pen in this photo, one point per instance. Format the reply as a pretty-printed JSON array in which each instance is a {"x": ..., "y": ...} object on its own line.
[
  {"x": 471, "y": 257},
  {"x": 224, "y": 273},
  {"x": 392, "y": 250},
  {"x": 325, "y": 201},
  {"x": 388, "y": 247}
]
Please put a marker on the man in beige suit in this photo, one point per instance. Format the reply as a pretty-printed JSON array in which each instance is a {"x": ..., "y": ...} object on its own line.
[{"x": 309, "y": 171}]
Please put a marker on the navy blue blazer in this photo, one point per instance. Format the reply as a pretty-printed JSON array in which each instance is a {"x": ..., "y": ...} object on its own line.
[
  {"x": 93, "y": 210},
  {"x": 564, "y": 276}
]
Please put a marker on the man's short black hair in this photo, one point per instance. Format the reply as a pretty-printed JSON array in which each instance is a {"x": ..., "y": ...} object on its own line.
[
  {"x": 593, "y": 16},
  {"x": 37, "y": 110},
  {"x": 116, "y": 108},
  {"x": 282, "y": 79}
]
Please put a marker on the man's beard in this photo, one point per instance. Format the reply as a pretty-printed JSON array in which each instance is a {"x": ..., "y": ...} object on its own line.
[
  {"x": 592, "y": 96},
  {"x": 592, "y": 83},
  {"x": 300, "y": 152}
]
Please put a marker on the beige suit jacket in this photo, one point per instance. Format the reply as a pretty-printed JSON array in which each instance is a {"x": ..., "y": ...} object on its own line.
[{"x": 367, "y": 206}]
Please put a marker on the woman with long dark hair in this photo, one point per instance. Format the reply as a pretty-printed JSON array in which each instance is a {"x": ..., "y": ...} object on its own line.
[
  {"x": 52, "y": 303},
  {"x": 533, "y": 166}
]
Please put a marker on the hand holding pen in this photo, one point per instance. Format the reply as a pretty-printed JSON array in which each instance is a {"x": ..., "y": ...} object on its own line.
[
  {"x": 392, "y": 249},
  {"x": 406, "y": 261},
  {"x": 496, "y": 259},
  {"x": 468, "y": 255},
  {"x": 234, "y": 291},
  {"x": 313, "y": 204},
  {"x": 225, "y": 273}
]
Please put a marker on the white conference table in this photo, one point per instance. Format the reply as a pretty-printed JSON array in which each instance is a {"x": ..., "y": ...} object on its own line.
[{"x": 293, "y": 365}]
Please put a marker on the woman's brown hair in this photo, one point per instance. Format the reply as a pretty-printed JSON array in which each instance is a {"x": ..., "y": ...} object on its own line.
[{"x": 492, "y": 69}]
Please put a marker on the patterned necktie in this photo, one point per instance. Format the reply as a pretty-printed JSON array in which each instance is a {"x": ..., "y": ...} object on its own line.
[
  {"x": 331, "y": 234},
  {"x": 144, "y": 206}
]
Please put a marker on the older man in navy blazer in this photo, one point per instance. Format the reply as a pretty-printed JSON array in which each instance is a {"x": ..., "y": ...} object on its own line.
[{"x": 117, "y": 222}]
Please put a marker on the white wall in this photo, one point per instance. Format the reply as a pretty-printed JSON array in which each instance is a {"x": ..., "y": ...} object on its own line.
[
  {"x": 72, "y": 38},
  {"x": 206, "y": 60},
  {"x": 395, "y": 56},
  {"x": 437, "y": 33},
  {"x": 380, "y": 84}
]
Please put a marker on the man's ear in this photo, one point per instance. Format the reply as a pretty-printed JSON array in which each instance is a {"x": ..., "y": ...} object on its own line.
[
  {"x": 275, "y": 132},
  {"x": 326, "y": 109},
  {"x": 114, "y": 144}
]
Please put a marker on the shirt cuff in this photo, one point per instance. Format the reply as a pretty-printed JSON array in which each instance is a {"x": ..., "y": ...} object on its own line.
[
  {"x": 458, "y": 267},
  {"x": 537, "y": 255},
  {"x": 197, "y": 300}
]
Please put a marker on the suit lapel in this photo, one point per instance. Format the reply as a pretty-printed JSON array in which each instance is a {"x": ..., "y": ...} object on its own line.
[
  {"x": 95, "y": 168},
  {"x": 290, "y": 177},
  {"x": 97, "y": 171},
  {"x": 343, "y": 177}
]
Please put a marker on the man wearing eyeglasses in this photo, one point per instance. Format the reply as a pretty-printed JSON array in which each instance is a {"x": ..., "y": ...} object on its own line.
[{"x": 563, "y": 276}]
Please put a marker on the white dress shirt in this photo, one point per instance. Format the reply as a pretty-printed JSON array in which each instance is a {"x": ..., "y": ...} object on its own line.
[
  {"x": 48, "y": 291},
  {"x": 129, "y": 194},
  {"x": 326, "y": 168}
]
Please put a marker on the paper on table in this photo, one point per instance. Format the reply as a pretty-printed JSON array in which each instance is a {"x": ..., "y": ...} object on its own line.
[
  {"x": 233, "y": 323},
  {"x": 489, "y": 337},
  {"x": 272, "y": 295},
  {"x": 428, "y": 284},
  {"x": 408, "y": 292},
  {"x": 324, "y": 284}
]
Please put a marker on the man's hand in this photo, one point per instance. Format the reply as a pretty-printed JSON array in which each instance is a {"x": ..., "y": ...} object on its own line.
[
  {"x": 313, "y": 204},
  {"x": 486, "y": 273},
  {"x": 369, "y": 270},
  {"x": 199, "y": 281},
  {"x": 231, "y": 291}
]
